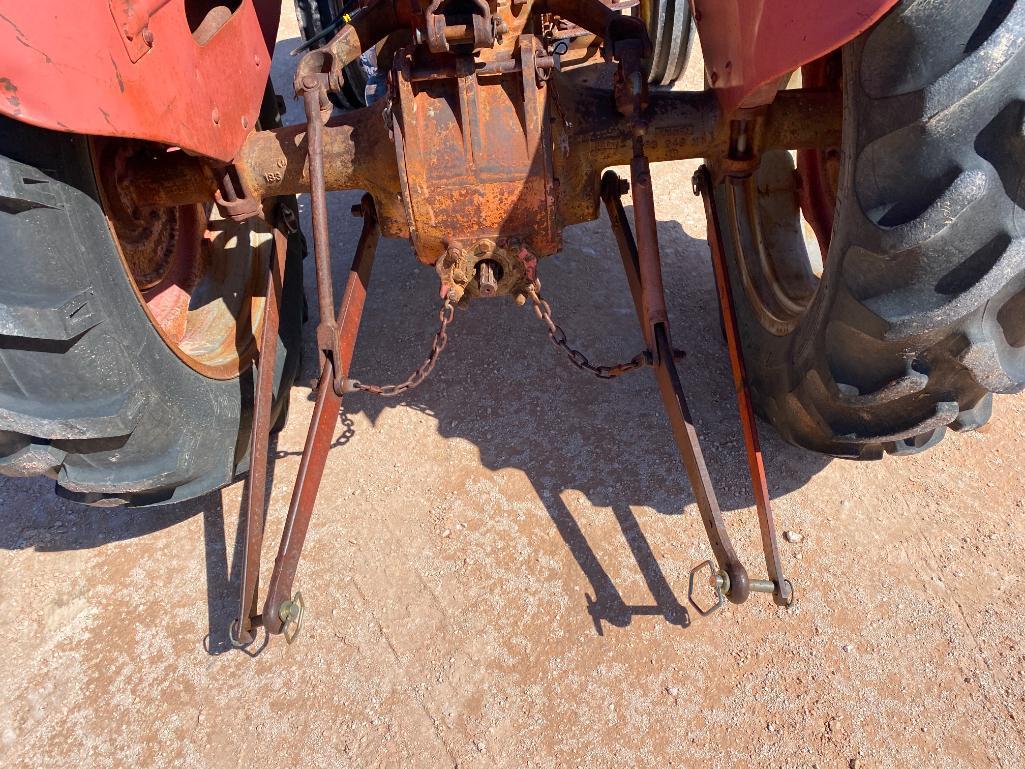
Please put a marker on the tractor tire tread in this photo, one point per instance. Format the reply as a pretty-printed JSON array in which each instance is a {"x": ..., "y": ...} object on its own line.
[
  {"x": 920, "y": 314},
  {"x": 90, "y": 395}
]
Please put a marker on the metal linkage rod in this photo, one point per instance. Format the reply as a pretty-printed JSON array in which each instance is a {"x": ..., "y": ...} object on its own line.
[
  {"x": 782, "y": 590},
  {"x": 336, "y": 337},
  {"x": 241, "y": 631},
  {"x": 729, "y": 578},
  {"x": 671, "y": 390},
  {"x": 281, "y": 613}
]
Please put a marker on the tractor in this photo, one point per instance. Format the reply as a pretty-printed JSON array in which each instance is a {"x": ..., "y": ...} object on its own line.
[{"x": 863, "y": 179}]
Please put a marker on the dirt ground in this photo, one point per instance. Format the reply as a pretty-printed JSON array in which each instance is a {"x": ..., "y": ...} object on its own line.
[{"x": 497, "y": 570}]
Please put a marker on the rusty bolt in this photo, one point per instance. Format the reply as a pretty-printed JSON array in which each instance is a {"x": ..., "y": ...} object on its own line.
[
  {"x": 245, "y": 122},
  {"x": 147, "y": 36},
  {"x": 216, "y": 116},
  {"x": 543, "y": 62},
  {"x": 697, "y": 182}
]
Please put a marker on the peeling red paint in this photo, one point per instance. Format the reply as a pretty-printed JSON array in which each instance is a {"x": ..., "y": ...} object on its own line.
[
  {"x": 10, "y": 91},
  {"x": 117, "y": 74}
]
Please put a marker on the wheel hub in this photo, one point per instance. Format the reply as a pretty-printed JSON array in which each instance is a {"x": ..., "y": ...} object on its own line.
[{"x": 195, "y": 272}]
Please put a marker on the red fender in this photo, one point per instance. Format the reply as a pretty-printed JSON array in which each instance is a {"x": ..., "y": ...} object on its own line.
[
  {"x": 749, "y": 44},
  {"x": 178, "y": 72},
  {"x": 151, "y": 69}
]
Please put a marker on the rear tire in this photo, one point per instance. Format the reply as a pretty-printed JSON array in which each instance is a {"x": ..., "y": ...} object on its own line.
[
  {"x": 920, "y": 311},
  {"x": 90, "y": 393}
]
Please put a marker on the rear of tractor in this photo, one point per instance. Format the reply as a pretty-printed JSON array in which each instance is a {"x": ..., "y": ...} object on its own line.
[{"x": 151, "y": 310}]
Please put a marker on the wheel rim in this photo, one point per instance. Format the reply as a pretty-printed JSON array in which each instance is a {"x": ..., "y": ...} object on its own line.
[
  {"x": 777, "y": 212},
  {"x": 764, "y": 233},
  {"x": 819, "y": 169},
  {"x": 195, "y": 272}
]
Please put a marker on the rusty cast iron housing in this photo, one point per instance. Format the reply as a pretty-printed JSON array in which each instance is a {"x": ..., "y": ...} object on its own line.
[{"x": 485, "y": 150}]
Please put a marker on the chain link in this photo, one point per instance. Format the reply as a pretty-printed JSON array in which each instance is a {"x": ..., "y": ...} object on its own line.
[
  {"x": 555, "y": 332},
  {"x": 445, "y": 316}
]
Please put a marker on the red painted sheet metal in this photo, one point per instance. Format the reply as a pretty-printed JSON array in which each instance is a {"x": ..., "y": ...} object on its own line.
[
  {"x": 71, "y": 66},
  {"x": 750, "y": 43}
]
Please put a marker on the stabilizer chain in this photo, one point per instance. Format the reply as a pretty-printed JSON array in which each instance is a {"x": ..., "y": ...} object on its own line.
[
  {"x": 558, "y": 337},
  {"x": 445, "y": 316},
  {"x": 555, "y": 333}
]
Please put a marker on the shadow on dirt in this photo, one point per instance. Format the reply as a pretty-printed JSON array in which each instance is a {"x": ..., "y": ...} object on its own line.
[{"x": 503, "y": 387}]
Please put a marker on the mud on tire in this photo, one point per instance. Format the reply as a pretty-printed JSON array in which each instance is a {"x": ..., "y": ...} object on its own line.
[
  {"x": 90, "y": 394},
  {"x": 920, "y": 311}
]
